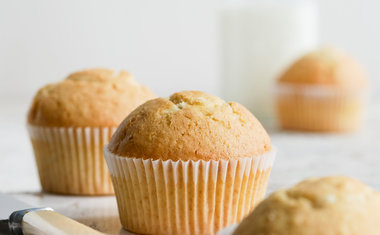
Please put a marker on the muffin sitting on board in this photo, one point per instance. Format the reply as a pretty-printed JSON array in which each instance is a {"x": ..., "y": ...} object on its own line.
[
  {"x": 323, "y": 91},
  {"x": 190, "y": 164},
  {"x": 319, "y": 206},
  {"x": 69, "y": 122}
]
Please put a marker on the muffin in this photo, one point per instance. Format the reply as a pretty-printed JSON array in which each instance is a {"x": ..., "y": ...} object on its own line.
[
  {"x": 323, "y": 91},
  {"x": 190, "y": 164},
  {"x": 71, "y": 121},
  {"x": 319, "y": 206}
]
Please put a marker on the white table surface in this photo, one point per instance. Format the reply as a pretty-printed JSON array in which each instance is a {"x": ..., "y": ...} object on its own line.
[{"x": 300, "y": 155}]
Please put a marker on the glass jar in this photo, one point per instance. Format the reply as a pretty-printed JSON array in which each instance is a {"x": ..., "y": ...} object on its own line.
[{"x": 260, "y": 38}]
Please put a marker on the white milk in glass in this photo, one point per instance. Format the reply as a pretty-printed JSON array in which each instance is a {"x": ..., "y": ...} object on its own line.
[{"x": 259, "y": 40}]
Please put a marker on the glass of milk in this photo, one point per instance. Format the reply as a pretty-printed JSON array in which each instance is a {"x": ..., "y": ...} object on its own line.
[{"x": 260, "y": 38}]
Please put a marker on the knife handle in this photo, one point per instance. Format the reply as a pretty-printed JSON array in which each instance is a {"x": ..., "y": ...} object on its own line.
[{"x": 48, "y": 222}]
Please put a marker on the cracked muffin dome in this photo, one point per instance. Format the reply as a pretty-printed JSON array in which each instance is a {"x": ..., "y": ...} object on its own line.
[
  {"x": 326, "y": 66},
  {"x": 318, "y": 206},
  {"x": 190, "y": 125},
  {"x": 94, "y": 97}
]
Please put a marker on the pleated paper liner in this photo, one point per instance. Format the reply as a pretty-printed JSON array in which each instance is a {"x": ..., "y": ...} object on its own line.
[
  {"x": 70, "y": 160},
  {"x": 319, "y": 108},
  {"x": 187, "y": 197}
]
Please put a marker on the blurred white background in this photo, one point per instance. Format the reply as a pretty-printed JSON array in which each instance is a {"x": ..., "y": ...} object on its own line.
[{"x": 169, "y": 45}]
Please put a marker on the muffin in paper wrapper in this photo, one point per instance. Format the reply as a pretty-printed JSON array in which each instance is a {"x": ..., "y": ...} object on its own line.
[
  {"x": 70, "y": 160},
  {"x": 319, "y": 108},
  {"x": 187, "y": 197}
]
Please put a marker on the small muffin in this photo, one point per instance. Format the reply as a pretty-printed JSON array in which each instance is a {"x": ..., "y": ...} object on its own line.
[
  {"x": 190, "y": 164},
  {"x": 319, "y": 206},
  {"x": 69, "y": 123},
  {"x": 323, "y": 91}
]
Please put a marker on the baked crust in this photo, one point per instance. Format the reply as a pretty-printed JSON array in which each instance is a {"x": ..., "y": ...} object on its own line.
[
  {"x": 326, "y": 66},
  {"x": 317, "y": 206},
  {"x": 94, "y": 97},
  {"x": 190, "y": 125}
]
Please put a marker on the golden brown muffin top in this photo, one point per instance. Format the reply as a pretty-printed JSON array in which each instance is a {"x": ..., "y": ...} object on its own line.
[
  {"x": 94, "y": 97},
  {"x": 190, "y": 125},
  {"x": 326, "y": 66},
  {"x": 334, "y": 205}
]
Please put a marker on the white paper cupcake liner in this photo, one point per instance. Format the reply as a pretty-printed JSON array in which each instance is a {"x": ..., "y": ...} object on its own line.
[
  {"x": 70, "y": 160},
  {"x": 319, "y": 108},
  {"x": 187, "y": 197}
]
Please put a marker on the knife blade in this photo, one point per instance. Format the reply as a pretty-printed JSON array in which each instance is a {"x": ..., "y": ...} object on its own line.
[
  {"x": 9, "y": 204},
  {"x": 16, "y": 218}
]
